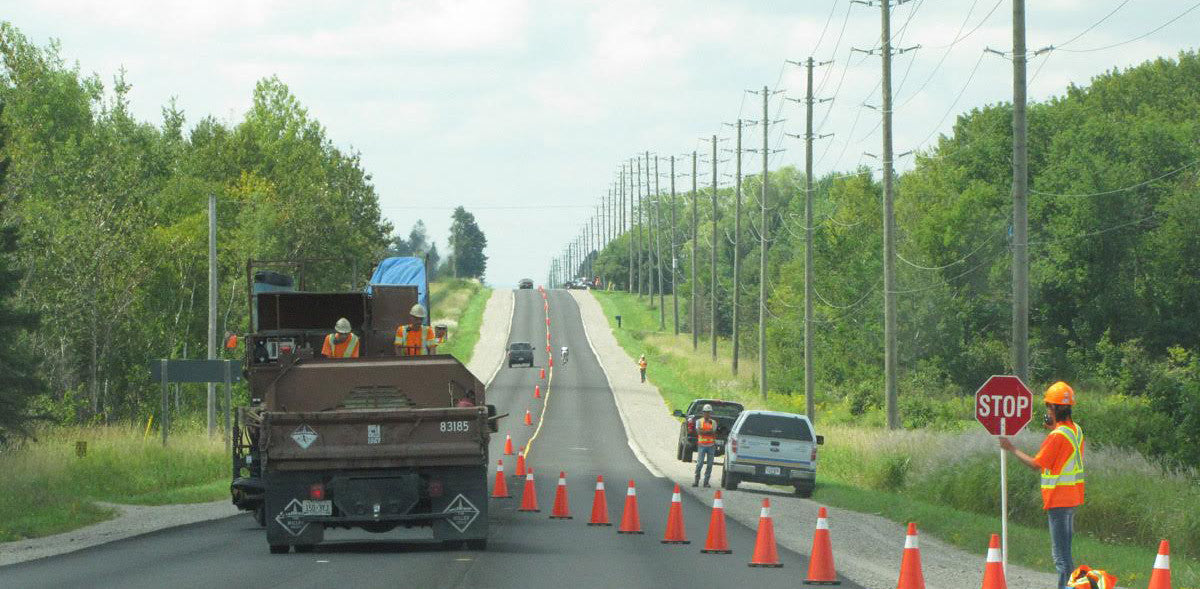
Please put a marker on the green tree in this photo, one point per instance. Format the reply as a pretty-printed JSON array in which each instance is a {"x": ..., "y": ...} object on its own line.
[{"x": 467, "y": 243}]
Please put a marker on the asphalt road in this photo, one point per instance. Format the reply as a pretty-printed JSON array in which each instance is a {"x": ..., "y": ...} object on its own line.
[{"x": 582, "y": 435}]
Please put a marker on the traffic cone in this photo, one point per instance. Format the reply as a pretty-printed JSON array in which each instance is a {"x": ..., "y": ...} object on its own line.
[
  {"x": 993, "y": 569},
  {"x": 500, "y": 489},
  {"x": 676, "y": 533},
  {"x": 820, "y": 560},
  {"x": 520, "y": 463},
  {"x": 529, "y": 495},
  {"x": 716, "y": 542},
  {"x": 542, "y": 374},
  {"x": 561, "y": 510},
  {"x": 599, "y": 505},
  {"x": 537, "y": 391},
  {"x": 551, "y": 364},
  {"x": 547, "y": 321},
  {"x": 630, "y": 522},
  {"x": 528, "y": 418},
  {"x": 910, "y": 564},
  {"x": 765, "y": 554},
  {"x": 1160, "y": 577},
  {"x": 508, "y": 445}
]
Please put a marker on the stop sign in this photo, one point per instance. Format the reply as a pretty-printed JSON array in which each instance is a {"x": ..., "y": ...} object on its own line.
[{"x": 1003, "y": 398}]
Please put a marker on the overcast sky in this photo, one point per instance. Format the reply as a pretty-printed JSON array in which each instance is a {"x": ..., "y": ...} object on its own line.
[{"x": 522, "y": 110}]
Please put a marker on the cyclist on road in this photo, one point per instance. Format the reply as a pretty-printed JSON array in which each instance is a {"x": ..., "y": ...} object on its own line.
[{"x": 565, "y": 353}]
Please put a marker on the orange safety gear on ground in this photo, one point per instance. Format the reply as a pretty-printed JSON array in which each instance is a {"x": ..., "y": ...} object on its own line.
[
  {"x": 415, "y": 342},
  {"x": 706, "y": 432},
  {"x": 1061, "y": 460},
  {"x": 1059, "y": 393},
  {"x": 1086, "y": 577},
  {"x": 348, "y": 348}
]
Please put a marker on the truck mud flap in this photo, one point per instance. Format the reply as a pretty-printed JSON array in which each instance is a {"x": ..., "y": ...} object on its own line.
[
  {"x": 286, "y": 502},
  {"x": 463, "y": 503}
]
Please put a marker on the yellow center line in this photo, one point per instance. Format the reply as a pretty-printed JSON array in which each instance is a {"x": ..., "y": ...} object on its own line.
[{"x": 545, "y": 401}]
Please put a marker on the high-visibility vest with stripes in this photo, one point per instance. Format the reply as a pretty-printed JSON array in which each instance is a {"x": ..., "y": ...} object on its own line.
[
  {"x": 706, "y": 432},
  {"x": 347, "y": 349},
  {"x": 415, "y": 342},
  {"x": 1065, "y": 487},
  {"x": 1086, "y": 577}
]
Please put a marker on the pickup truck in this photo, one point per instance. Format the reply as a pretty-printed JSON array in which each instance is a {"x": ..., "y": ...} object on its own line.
[
  {"x": 724, "y": 412},
  {"x": 520, "y": 353},
  {"x": 773, "y": 448}
]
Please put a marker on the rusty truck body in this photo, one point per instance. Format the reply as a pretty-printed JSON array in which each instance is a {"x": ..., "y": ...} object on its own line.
[{"x": 373, "y": 442}]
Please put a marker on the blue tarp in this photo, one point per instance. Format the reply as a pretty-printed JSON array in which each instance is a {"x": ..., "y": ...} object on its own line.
[{"x": 403, "y": 271}]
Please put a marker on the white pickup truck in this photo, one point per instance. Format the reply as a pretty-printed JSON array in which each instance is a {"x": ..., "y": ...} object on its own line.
[{"x": 774, "y": 448}]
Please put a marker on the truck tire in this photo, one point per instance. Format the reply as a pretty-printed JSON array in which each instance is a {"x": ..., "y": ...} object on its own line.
[
  {"x": 679, "y": 452},
  {"x": 279, "y": 548},
  {"x": 687, "y": 454},
  {"x": 804, "y": 491},
  {"x": 260, "y": 515},
  {"x": 304, "y": 548},
  {"x": 729, "y": 481}
]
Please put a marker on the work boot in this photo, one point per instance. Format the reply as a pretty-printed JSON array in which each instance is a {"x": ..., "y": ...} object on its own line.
[
  {"x": 706, "y": 484},
  {"x": 696, "y": 483}
]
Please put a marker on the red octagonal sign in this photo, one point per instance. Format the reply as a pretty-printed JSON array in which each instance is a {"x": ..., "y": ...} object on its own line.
[{"x": 1003, "y": 398}]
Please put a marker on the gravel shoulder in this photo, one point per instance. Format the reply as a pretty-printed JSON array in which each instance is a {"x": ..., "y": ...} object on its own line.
[
  {"x": 867, "y": 548},
  {"x": 135, "y": 520}
]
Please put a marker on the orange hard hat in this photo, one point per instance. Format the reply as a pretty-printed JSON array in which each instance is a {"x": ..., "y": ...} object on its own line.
[{"x": 1060, "y": 393}]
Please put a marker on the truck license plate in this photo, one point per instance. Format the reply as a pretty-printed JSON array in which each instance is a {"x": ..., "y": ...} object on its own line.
[
  {"x": 773, "y": 470},
  {"x": 309, "y": 507}
]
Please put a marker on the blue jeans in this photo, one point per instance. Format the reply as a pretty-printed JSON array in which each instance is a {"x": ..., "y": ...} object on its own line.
[
  {"x": 701, "y": 453},
  {"x": 1062, "y": 522}
]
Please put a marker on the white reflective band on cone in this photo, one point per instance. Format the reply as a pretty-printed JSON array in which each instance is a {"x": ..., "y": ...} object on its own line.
[
  {"x": 500, "y": 467},
  {"x": 529, "y": 476},
  {"x": 562, "y": 482},
  {"x": 993, "y": 555},
  {"x": 675, "y": 498},
  {"x": 631, "y": 491},
  {"x": 718, "y": 503},
  {"x": 910, "y": 542},
  {"x": 600, "y": 486},
  {"x": 766, "y": 512},
  {"x": 822, "y": 524},
  {"x": 1163, "y": 561}
]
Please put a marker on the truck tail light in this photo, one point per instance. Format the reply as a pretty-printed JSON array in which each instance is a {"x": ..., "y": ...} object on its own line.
[
  {"x": 733, "y": 445},
  {"x": 316, "y": 492},
  {"x": 691, "y": 426},
  {"x": 436, "y": 488},
  {"x": 813, "y": 458}
]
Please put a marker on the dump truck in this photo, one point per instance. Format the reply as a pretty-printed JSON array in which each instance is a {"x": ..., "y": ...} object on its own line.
[{"x": 373, "y": 442}]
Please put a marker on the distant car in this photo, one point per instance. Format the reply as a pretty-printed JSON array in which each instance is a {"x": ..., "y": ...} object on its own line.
[
  {"x": 525, "y": 283},
  {"x": 724, "y": 413},
  {"x": 774, "y": 448},
  {"x": 520, "y": 353}
]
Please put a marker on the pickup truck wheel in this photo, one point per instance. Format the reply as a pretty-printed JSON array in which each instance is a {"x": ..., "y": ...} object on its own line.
[
  {"x": 687, "y": 454},
  {"x": 279, "y": 548},
  {"x": 260, "y": 515},
  {"x": 729, "y": 481},
  {"x": 805, "y": 491},
  {"x": 679, "y": 452}
]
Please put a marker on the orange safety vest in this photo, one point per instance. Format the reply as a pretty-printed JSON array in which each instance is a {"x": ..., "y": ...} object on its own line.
[
  {"x": 415, "y": 342},
  {"x": 1065, "y": 487},
  {"x": 1086, "y": 577},
  {"x": 347, "y": 349},
  {"x": 706, "y": 432},
  {"x": 642, "y": 364}
]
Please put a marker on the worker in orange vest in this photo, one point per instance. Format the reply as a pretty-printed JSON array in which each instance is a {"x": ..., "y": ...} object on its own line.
[
  {"x": 1060, "y": 461},
  {"x": 642, "y": 366},
  {"x": 415, "y": 338},
  {"x": 342, "y": 343},
  {"x": 706, "y": 443}
]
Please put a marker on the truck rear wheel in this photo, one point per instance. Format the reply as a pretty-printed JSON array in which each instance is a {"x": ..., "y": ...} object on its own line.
[
  {"x": 279, "y": 548},
  {"x": 260, "y": 515},
  {"x": 304, "y": 548},
  {"x": 687, "y": 454}
]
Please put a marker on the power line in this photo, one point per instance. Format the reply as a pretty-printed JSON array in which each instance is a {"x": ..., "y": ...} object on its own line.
[
  {"x": 1117, "y": 190},
  {"x": 1093, "y": 25},
  {"x": 1137, "y": 38}
]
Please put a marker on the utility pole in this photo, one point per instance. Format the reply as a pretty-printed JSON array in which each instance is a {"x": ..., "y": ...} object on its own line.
[
  {"x": 644, "y": 218},
  {"x": 889, "y": 224},
  {"x": 635, "y": 214},
  {"x": 625, "y": 230},
  {"x": 1020, "y": 188},
  {"x": 695, "y": 284},
  {"x": 737, "y": 246},
  {"x": 762, "y": 270},
  {"x": 662, "y": 310},
  {"x": 712, "y": 295},
  {"x": 212, "y": 308},
  {"x": 674, "y": 257}
]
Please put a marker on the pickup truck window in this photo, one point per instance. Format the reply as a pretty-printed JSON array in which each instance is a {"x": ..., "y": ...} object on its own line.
[
  {"x": 520, "y": 346},
  {"x": 775, "y": 426},
  {"x": 730, "y": 410}
]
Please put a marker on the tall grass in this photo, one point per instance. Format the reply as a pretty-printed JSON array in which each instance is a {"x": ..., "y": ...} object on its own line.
[
  {"x": 947, "y": 479},
  {"x": 458, "y": 304},
  {"x": 48, "y": 489}
]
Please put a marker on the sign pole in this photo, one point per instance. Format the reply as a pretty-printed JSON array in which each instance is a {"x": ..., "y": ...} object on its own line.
[
  {"x": 165, "y": 407},
  {"x": 228, "y": 403},
  {"x": 1003, "y": 503}
]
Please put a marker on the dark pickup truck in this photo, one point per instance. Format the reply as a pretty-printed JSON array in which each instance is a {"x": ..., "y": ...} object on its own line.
[
  {"x": 724, "y": 412},
  {"x": 520, "y": 353}
]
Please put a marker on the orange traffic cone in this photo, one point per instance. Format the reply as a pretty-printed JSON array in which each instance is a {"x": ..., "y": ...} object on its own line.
[
  {"x": 716, "y": 542},
  {"x": 993, "y": 569},
  {"x": 820, "y": 560},
  {"x": 599, "y": 505},
  {"x": 529, "y": 494},
  {"x": 547, "y": 321},
  {"x": 508, "y": 445},
  {"x": 551, "y": 363},
  {"x": 537, "y": 391},
  {"x": 520, "y": 463},
  {"x": 542, "y": 374},
  {"x": 675, "y": 534},
  {"x": 500, "y": 489},
  {"x": 561, "y": 510},
  {"x": 528, "y": 418},
  {"x": 765, "y": 554},
  {"x": 630, "y": 522},
  {"x": 911, "y": 576},
  {"x": 1160, "y": 577}
]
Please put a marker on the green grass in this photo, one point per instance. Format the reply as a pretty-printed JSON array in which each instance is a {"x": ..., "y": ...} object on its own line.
[
  {"x": 458, "y": 304},
  {"x": 48, "y": 489},
  {"x": 945, "y": 480}
]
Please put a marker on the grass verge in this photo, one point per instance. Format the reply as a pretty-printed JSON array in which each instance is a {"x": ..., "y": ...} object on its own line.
[
  {"x": 943, "y": 480},
  {"x": 458, "y": 304},
  {"x": 48, "y": 489}
]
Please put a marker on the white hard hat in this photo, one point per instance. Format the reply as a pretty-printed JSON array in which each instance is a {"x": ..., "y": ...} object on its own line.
[
  {"x": 342, "y": 325},
  {"x": 417, "y": 311},
  {"x": 707, "y": 408}
]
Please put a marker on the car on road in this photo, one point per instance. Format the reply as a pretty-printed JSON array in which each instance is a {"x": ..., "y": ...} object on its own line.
[
  {"x": 520, "y": 353},
  {"x": 525, "y": 283},
  {"x": 773, "y": 448},
  {"x": 724, "y": 412}
]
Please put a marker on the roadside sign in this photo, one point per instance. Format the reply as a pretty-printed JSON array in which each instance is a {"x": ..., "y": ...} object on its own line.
[
  {"x": 168, "y": 371},
  {"x": 1003, "y": 405}
]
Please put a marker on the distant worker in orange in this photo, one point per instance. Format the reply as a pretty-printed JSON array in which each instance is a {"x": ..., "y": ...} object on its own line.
[
  {"x": 342, "y": 343},
  {"x": 1060, "y": 461},
  {"x": 706, "y": 443},
  {"x": 642, "y": 366},
  {"x": 415, "y": 338}
]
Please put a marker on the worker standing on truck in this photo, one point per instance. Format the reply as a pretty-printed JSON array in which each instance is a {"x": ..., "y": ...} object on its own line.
[
  {"x": 415, "y": 338},
  {"x": 706, "y": 443},
  {"x": 341, "y": 343},
  {"x": 1060, "y": 461},
  {"x": 642, "y": 367}
]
